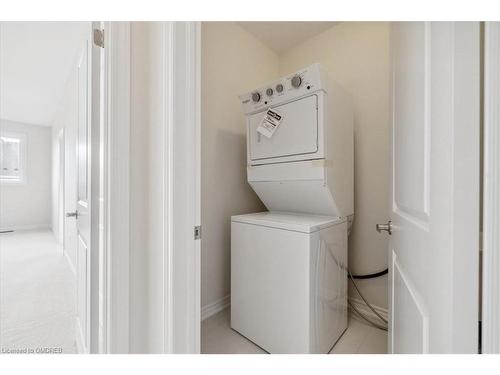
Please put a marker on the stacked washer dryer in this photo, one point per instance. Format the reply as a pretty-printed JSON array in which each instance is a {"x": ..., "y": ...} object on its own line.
[{"x": 289, "y": 265}]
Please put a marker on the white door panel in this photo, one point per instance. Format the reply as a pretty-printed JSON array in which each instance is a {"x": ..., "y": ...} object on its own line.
[
  {"x": 435, "y": 164},
  {"x": 411, "y": 95},
  {"x": 81, "y": 240},
  {"x": 411, "y": 320},
  {"x": 83, "y": 201},
  {"x": 70, "y": 177},
  {"x": 81, "y": 287}
]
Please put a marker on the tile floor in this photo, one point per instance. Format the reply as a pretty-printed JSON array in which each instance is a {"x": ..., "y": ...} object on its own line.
[{"x": 217, "y": 337}]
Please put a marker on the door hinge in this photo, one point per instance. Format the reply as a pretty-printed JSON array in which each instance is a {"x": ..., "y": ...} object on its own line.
[
  {"x": 197, "y": 232},
  {"x": 99, "y": 37}
]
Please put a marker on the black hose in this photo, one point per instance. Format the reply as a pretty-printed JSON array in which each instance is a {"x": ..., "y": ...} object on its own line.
[
  {"x": 364, "y": 299},
  {"x": 371, "y": 275},
  {"x": 365, "y": 318}
]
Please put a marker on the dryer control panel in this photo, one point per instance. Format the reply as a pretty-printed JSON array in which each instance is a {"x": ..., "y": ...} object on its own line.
[{"x": 293, "y": 86}]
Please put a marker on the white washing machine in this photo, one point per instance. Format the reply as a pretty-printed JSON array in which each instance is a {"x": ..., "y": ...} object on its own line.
[
  {"x": 288, "y": 265},
  {"x": 289, "y": 281}
]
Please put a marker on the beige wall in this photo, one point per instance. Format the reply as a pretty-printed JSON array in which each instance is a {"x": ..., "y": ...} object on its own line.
[
  {"x": 233, "y": 62},
  {"x": 356, "y": 55}
]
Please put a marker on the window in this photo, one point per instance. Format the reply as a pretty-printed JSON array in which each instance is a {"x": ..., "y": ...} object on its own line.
[{"x": 12, "y": 157}]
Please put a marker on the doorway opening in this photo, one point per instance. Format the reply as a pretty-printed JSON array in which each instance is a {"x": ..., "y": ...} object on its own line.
[
  {"x": 244, "y": 57},
  {"x": 46, "y": 97},
  {"x": 405, "y": 176}
]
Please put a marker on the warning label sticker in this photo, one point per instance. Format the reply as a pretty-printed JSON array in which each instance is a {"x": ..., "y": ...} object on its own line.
[{"x": 270, "y": 123}]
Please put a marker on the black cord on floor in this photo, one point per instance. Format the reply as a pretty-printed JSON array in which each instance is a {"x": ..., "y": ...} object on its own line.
[{"x": 371, "y": 275}]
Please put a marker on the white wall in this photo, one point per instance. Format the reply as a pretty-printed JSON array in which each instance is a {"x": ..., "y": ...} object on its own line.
[
  {"x": 57, "y": 192},
  {"x": 28, "y": 205},
  {"x": 233, "y": 61}
]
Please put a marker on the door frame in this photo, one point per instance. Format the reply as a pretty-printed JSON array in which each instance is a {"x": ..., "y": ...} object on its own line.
[
  {"x": 181, "y": 190},
  {"x": 491, "y": 192},
  {"x": 114, "y": 192},
  {"x": 181, "y": 82},
  {"x": 183, "y": 76}
]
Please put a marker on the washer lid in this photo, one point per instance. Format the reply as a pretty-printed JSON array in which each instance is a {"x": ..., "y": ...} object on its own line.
[{"x": 289, "y": 221}]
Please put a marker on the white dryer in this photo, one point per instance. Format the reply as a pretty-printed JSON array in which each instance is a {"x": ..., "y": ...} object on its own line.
[
  {"x": 307, "y": 165},
  {"x": 289, "y": 265}
]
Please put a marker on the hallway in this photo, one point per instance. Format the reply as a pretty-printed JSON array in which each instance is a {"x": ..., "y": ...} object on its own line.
[{"x": 37, "y": 294}]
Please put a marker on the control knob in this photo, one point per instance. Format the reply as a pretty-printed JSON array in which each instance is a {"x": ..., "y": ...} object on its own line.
[
  {"x": 296, "y": 81},
  {"x": 256, "y": 97}
]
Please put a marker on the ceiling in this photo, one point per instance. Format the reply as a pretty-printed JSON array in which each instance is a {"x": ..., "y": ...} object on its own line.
[
  {"x": 35, "y": 62},
  {"x": 281, "y": 36}
]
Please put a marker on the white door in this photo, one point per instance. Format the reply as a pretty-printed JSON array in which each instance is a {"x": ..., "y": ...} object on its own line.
[
  {"x": 433, "y": 252},
  {"x": 82, "y": 199},
  {"x": 70, "y": 134},
  {"x": 87, "y": 192}
]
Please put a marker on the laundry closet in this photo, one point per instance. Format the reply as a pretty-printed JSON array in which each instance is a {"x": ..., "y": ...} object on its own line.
[{"x": 239, "y": 62}]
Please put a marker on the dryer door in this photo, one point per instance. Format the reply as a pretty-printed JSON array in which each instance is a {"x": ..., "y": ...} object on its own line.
[{"x": 296, "y": 135}]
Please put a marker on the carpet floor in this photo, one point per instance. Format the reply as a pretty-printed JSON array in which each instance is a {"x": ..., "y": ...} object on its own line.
[{"x": 37, "y": 294}]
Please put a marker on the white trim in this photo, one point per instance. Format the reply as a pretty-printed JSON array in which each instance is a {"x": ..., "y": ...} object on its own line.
[
  {"x": 195, "y": 100},
  {"x": 116, "y": 195},
  {"x": 491, "y": 192},
  {"x": 365, "y": 310},
  {"x": 181, "y": 191},
  {"x": 97, "y": 77},
  {"x": 213, "y": 308},
  {"x": 466, "y": 188},
  {"x": 168, "y": 121}
]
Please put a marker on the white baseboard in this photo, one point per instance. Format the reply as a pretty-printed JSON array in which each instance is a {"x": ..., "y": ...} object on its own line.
[
  {"x": 219, "y": 305},
  {"x": 215, "y": 307},
  {"x": 365, "y": 310},
  {"x": 20, "y": 228}
]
